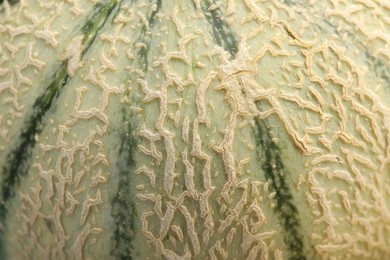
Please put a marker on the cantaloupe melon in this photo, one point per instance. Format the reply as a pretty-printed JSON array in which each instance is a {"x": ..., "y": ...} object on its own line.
[{"x": 194, "y": 129}]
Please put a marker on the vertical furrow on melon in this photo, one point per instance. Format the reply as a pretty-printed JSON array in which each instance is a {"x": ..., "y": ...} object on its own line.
[
  {"x": 124, "y": 212},
  {"x": 193, "y": 188},
  {"x": 33, "y": 36},
  {"x": 195, "y": 129},
  {"x": 382, "y": 68},
  {"x": 10, "y": 2},
  {"x": 145, "y": 35},
  {"x": 99, "y": 17},
  {"x": 76, "y": 47},
  {"x": 18, "y": 160},
  {"x": 18, "y": 163},
  {"x": 334, "y": 109},
  {"x": 339, "y": 121},
  {"x": 267, "y": 150},
  {"x": 272, "y": 164},
  {"x": 123, "y": 207},
  {"x": 71, "y": 182},
  {"x": 223, "y": 36}
]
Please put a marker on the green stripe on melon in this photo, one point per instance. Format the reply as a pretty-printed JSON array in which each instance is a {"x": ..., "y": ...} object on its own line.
[{"x": 194, "y": 129}]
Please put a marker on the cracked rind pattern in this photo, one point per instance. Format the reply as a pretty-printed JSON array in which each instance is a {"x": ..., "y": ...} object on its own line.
[{"x": 173, "y": 133}]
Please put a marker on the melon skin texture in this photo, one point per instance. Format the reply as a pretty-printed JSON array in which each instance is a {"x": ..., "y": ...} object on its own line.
[{"x": 194, "y": 129}]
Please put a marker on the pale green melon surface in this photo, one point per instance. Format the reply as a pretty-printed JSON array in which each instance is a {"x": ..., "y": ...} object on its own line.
[{"x": 234, "y": 129}]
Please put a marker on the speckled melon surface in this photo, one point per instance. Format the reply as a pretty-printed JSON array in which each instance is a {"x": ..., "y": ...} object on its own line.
[{"x": 166, "y": 129}]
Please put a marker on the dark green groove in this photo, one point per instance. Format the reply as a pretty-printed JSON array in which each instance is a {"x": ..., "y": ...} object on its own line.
[
  {"x": 271, "y": 163},
  {"x": 382, "y": 70},
  {"x": 11, "y": 2},
  {"x": 17, "y": 163},
  {"x": 269, "y": 152},
  {"x": 142, "y": 55},
  {"x": 223, "y": 36},
  {"x": 96, "y": 20},
  {"x": 18, "y": 160},
  {"x": 123, "y": 207}
]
